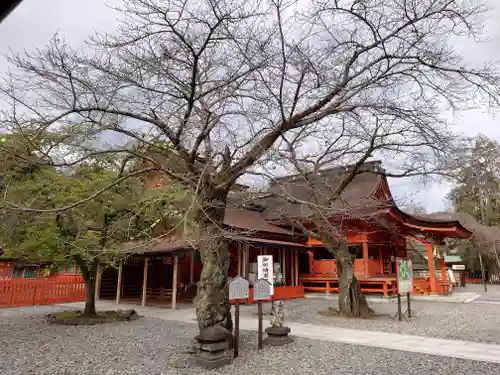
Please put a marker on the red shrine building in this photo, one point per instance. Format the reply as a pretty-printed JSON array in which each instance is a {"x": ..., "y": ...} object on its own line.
[{"x": 377, "y": 232}]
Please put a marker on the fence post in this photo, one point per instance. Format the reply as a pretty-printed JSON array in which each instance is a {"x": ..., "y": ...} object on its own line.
[
  {"x": 34, "y": 291},
  {"x": 11, "y": 293}
]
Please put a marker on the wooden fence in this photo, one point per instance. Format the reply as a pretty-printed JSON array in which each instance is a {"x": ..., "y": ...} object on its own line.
[{"x": 41, "y": 291}]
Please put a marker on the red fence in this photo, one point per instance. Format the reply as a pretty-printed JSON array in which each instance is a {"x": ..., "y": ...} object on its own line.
[{"x": 41, "y": 291}]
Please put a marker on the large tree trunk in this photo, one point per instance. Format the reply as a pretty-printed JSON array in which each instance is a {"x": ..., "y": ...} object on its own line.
[
  {"x": 212, "y": 300},
  {"x": 90, "y": 295},
  {"x": 89, "y": 274},
  {"x": 212, "y": 305},
  {"x": 352, "y": 302}
]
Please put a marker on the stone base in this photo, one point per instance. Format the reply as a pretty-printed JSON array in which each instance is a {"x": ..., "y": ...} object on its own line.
[
  {"x": 212, "y": 348},
  {"x": 211, "y": 361},
  {"x": 277, "y": 336}
]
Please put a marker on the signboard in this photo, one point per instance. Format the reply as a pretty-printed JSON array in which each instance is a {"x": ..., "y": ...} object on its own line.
[
  {"x": 458, "y": 267},
  {"x": 238, "y": 288},
  {"x": 261, "y": 290},
  {"x": 265, "y": 270},
  {"x": 404, "y": 269}
]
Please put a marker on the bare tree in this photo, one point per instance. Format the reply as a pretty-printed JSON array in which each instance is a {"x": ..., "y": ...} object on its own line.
[
  {"x": 329, "y": 218},
  {"x": 219, "y": 82},
  {"x": 330, "y": 204}
]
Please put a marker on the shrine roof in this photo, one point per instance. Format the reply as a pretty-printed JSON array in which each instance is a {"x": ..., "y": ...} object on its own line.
[
  {"x": 367, "y": 196},
  {"x": 293, "y": 197}
]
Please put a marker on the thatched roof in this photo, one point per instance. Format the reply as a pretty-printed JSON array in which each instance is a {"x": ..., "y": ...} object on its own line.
[{"x": 356, "y": 199}]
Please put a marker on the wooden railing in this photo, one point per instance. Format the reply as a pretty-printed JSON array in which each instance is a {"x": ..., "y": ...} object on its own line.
[
  {"x": 329, "y": 267},
  {"x": 326, "y": 266},
  {"x": 421, "y": 286},
  {"x": 374, "y": 267},
  {"x": 41, "y": 291}
]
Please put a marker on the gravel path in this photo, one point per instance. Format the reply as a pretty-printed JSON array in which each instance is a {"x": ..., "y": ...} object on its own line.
[
  {"x": 456, "y": 321},
  {"x": 153, "y": 347}
]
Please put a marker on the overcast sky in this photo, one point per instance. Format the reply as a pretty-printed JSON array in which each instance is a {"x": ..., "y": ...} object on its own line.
[{"x": 34, "y": 22}]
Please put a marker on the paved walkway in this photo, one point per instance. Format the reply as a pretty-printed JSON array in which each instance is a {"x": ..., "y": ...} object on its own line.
[
  {"x": 417, "y": 344},
  {"x": 457, "y": 297}
]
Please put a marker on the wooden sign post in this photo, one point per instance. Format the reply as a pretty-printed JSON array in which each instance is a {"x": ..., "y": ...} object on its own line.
[
  {"x": 261, "y": 291},
  {"x": 400, "y": 315},
  {"x": 238, "y": 289},
  {"x": 408, "y": 304}
]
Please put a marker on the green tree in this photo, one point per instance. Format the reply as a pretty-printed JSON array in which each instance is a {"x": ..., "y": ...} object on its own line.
[
  {"x": 476, "y": 197},
  {"x": 88, "y": 234}
]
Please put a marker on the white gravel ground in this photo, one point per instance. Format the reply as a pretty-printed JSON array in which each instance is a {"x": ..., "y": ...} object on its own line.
[
  {"x": 456, "y": 321},
  {"x": 153, "y": 347}
]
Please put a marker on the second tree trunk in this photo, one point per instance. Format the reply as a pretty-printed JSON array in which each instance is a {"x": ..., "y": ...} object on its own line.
[{"x": 352, "y": 301}]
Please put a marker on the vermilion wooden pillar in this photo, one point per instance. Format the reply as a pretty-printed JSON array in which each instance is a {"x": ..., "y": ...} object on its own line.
[
  {"x": 145, "y": 282},
  {"x": 175, "y": 282},
  {"x": 98, "y": 282},
  {"x": 119, "y": 281},
  {"x": 246, "y": 260},
  {"x": 191, "y": 265},
  {"x": 380, "y": 260},
  {"x": 240, "y": 268},
  {"x": 365, "y": 257},
  {"x": 284, "y": 267},
  {"x": 297, "y": 268},
  {"x": 432, "y": 268},
  {"x": 311, "y": 261},
  {"x": 442, "y": 267}
]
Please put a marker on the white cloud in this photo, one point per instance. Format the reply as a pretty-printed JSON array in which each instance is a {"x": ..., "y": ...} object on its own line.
[{"x": 34, "y": 22}]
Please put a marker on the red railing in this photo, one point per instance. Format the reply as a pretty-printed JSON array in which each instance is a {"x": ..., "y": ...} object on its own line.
[
  {"x": 374, "y": 267},
  {"x": 329, "y": 267},
  {"x": 41, "y": 291},
  {"x": 326, "y": 266}
]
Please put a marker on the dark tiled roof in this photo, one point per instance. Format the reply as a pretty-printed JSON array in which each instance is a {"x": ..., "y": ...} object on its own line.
[{"x": 292, "y": 197}]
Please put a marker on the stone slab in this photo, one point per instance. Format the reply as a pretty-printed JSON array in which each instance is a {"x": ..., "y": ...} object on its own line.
[{"x": 277, "y": 340}]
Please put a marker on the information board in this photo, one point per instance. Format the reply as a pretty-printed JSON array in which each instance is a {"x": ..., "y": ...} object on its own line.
[
  {"x": 262, "y": 290},
  {"x": 404, "y": 269},
  {"x": 238, "y": 288}
]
